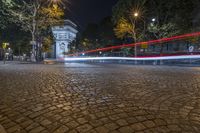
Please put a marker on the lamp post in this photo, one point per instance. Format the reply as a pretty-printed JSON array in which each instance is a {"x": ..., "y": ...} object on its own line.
[
  {"x": 4, "y": 51},
  {"x": 153, "y": 19},
  {"x": 136, "y": 14}
]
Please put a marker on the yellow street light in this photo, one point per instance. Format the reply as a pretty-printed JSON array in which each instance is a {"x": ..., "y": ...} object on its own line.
[
  {"x": 5, "y": 45},
  {"x": 136, "y": 14},
  {"x": 57, "y": 2}
]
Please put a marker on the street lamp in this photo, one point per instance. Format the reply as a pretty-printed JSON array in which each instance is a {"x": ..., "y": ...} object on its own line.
[
  {"x": 153, "y": 20},
  {"x": 54, "y": 1},
  {"x": 58, "y": 2},
  {"x": 136, "y": 14}
]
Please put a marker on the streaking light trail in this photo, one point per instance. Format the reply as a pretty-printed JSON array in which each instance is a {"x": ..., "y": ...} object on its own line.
[
  {"x": 138, "y": 58},
  {"x": 140, "y": 43}
]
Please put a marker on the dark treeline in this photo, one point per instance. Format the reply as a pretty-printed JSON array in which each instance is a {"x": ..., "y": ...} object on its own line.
[{"x": 156, "y": 19}]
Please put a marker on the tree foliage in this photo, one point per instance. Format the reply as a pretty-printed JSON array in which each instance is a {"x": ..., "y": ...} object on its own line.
[
  {"x": 172, "y": 16},
  {"x": 163, "y": 31},
  {"x": 33, "y": 15},
  {"x": 47, "y": 43},
  {"x": 128, "y": 17},
  {"x": 106, "y": 32},
  {"x": 3, "y": 17},
  {"x": 95, "y": 35},
  {"x": 123, "y": 28},
  {"x": 18, "y": 40},
  {"x": 50, "y": 16}
]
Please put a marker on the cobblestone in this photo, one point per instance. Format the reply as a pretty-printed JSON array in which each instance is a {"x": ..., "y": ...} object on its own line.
[
  {"x": 62, "y": 129},
  {"x": 2, "y": 130},
  {"x": 99, "y": 98}
]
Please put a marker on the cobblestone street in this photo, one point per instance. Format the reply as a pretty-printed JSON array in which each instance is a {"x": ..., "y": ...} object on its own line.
[{"x": 99, "y": 98}]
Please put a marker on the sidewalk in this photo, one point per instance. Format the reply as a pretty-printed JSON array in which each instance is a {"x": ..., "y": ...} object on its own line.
[
  {"x": 18, "y": 62},
  {"x": 9, "y": 62}
]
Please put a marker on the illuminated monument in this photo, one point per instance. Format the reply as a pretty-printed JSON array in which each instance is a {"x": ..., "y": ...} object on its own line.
[{"x": 63, "y": 34}]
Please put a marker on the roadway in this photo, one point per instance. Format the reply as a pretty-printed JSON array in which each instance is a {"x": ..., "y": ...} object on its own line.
[{"x": 99, "y": 98}]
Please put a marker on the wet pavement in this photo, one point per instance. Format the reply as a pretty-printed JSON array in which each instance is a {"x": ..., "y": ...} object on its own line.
[{"x": 99, "y": 98}]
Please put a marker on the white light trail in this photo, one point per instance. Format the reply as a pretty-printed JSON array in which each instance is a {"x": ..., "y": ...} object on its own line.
[{"x": 132, "y": 58}]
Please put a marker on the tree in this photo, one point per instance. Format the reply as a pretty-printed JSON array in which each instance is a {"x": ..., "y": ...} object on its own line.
[
  {"x": 180, "y": 13},
  {"x": 124, "y": 29},
  {"x": 89, "y": 37},
  {"x": 130, "y": 22},
  {"x": 163, "y": 31},
  {"x": 166, "y": 19},
  {"x": 72, "y": 47},
  {"x": 91, "y": 31},
  {"x": 18, "y": 40},
  {"x": 120, "y": 10},
  {"x": 95, "y": 35},
  {"x": 126, "y": 15},
  {"x": 33, "y": 16},
  {"x": 106, "y": 33},
  {"x": 46, "y": 43},
  {"x": 10, "y": 32},
  {"x": 3, "y": 17},
  {"x": 171, "y": 17},
  {"x": 177, "y": 14}
]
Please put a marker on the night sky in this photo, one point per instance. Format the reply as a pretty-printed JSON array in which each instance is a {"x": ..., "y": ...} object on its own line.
[{"x": 83, "y": 12}]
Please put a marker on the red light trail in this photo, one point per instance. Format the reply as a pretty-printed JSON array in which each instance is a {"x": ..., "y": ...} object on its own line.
[{"x": 180, "y": 37}]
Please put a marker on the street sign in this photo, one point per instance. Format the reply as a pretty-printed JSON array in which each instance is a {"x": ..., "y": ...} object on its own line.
[
  {"x": 144, "y": 45},
  {"x": 191, "y": 48}
]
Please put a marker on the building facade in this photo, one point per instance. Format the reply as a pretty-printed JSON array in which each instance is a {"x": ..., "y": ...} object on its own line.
[{"x": 63, "y": 34}]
